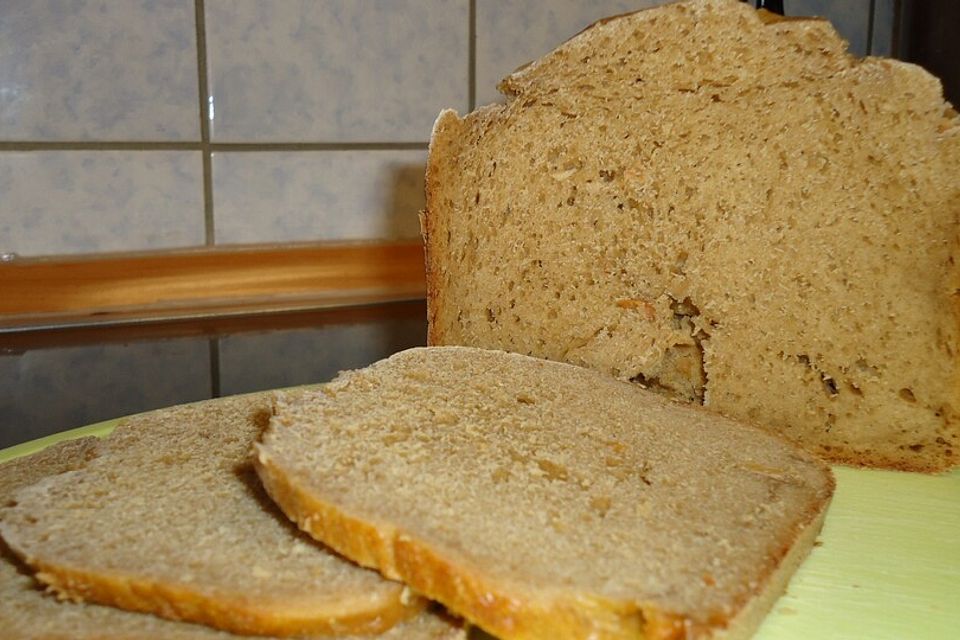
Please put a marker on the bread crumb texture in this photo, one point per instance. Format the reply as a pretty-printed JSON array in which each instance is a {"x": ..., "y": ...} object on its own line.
[
  {"x": 544, "y": 500},
  {"x": 166, "y": 516},
  {"x": 725, "y": 208}
]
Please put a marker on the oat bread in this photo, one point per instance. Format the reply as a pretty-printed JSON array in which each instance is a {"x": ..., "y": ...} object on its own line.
[
  {"x": 169, "y": 518},
  {"x": 724, "y": 207},
  {"x": 543, "y": 500},
  {"x": 27, "y": 613}
]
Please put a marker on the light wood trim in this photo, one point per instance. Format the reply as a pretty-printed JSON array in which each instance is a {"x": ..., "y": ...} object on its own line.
[{"x": 187, "y": 283}]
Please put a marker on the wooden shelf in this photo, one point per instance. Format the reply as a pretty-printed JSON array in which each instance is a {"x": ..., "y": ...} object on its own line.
[{"x": 44, "y": 293}]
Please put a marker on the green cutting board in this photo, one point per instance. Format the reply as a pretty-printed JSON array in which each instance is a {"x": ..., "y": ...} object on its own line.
[{"x": 887, "y": 565}]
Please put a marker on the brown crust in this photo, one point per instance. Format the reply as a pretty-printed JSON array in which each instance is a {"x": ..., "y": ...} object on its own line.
[
  {"x": 357, "y": 614},
  {"x": 869, "y": 459},
  {"x": 430, "y": 221},
  {"x": 510, "y": 611},
  {"x": 428, "y": 226}
]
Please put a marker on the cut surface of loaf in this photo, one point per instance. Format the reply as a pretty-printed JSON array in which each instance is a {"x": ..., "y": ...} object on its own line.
[
  {"x": 543, "y": 500},
  {"x": 725, "y": 208},
  {"x": 169, "y": 518},
  {"x": 27, "y": 613}
]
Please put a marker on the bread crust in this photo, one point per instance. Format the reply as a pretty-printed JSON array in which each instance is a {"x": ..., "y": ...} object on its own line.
[
  {"x": 360, "y": 614},
  {"x": 508, "y": 610},
  {"x": 449, "y": 133},
  {"x": 431, "y": 220}
]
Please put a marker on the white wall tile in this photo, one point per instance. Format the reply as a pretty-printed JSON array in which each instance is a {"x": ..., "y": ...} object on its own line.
[
  {"x": 337, "y": 70},
  {"x": 511, "y": 33},
  {"x": 86, "y": 384},
  {"x": 68, "y": 202},
  {"x": 317, "y": 195},
  {"x": 98, "y": 70}
]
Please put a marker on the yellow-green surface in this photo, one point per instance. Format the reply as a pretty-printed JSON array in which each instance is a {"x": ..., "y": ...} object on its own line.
[
  {"x": 99, "y": 429},
  {"x": 887, "y": 566}
]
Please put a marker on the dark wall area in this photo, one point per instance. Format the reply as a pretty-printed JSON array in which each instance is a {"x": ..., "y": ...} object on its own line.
[{"x": 929, "y": 35}]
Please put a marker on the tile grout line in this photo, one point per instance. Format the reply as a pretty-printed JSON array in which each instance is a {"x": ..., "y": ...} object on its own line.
[
  {"x": 317, "y": 146},
  {"x": 128, "y": 145},
  {"x": 204, "y": 94},
  {"x": 214, "y": 351},
  {"x": 871, "y": 17},
  {"x": 472, "y": 57},
  {"x": 77, "y": 145}
]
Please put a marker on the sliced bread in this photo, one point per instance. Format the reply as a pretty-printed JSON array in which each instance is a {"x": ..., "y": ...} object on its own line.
[
  {"x": 28, "y": 613},
  {"x": 724, "y": 207},
  {"x": 169, "y": 518},
  {"x": 544, "y": 500}
]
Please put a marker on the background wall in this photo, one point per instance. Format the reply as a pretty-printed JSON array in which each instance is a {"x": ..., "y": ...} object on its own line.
[{"x": 130, "y": 125}]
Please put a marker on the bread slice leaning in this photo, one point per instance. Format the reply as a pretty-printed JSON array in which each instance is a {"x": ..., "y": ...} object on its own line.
[
  {"x": 728, "y": 209},
  {"x": 28, "y": 613},
  {"x": 169, "y": 518},
  {"x": 543, "y": 500}
]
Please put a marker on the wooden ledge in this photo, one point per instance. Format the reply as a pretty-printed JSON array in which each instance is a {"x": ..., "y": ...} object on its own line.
[{"x": 43, "y": 293}]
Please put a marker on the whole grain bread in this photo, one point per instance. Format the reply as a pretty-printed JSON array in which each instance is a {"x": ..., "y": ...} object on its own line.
[
  {"x": 169, "y": 518},
  {"x": 28, "y": 613},
  {"x": 724, "y": 207},
  {"x": 544, "y": 500}
]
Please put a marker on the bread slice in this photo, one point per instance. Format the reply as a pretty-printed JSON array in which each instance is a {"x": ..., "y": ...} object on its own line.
[
  {"x": 725, "y": 208},
  {"x": 543, "y": 500},
  {"x": 27, "y": 613},
  {"x": 170, "y": 519}
]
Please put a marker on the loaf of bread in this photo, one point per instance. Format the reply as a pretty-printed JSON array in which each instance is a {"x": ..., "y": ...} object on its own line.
[
  {"x": 543, "y": 500},
  {"x": 27, "y": 613},
  {"x": 169, "y": 518},
  {"x": 724, "y": 207}
]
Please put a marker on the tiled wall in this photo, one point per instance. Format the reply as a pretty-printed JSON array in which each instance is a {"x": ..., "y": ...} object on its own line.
[{"x": 132, "y": 125}]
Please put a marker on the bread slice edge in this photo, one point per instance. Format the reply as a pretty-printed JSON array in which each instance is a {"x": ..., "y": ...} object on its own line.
[
  {"x": 354, "y": 614},
  {"x": 432, "y": 223}
]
